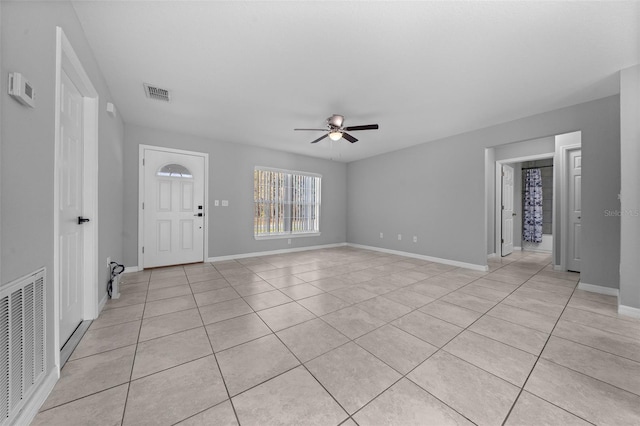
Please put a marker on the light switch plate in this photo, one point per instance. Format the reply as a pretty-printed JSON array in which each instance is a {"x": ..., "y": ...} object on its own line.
[
  {"x": 216, "y": 203},
  {"x": 225, "y": 203}
]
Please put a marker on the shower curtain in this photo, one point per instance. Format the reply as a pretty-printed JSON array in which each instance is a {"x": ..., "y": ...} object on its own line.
[{"x": 532, "y": 225}]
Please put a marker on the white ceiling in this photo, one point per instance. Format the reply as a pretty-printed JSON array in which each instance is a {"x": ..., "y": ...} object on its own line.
[{"x": 250, "y": 72}]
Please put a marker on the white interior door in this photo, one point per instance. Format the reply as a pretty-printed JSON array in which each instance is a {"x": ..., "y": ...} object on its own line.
[
  {"x": 574, "y": 171},
  {"x": 507, "y": 210},
  {"x": 70, "y": 181},
  {"x": 173, "y": 208}
]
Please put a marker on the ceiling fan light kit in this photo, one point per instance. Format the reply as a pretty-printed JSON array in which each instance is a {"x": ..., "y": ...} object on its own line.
[
  {"x": 335, "y": 136},
  {"x": 335, "y": 130}
]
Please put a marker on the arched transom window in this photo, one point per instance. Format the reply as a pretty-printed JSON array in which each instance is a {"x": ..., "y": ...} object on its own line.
[{"x": 174, "y": 170}]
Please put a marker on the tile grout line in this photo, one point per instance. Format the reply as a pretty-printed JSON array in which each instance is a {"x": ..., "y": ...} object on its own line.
[
  {"x": 301, "y": 364},
  {"x": 442, "y": 349},
  {"x": 213, "y": 353},
  {"x": 587, "y": 375},
  {"x": 350, "y": 340},
  {"x": 534, "y": 367},
  {"x": 375, "y": 356},
  {"x": 126, "y": 399},
  {"x": 289, "y": 350}
]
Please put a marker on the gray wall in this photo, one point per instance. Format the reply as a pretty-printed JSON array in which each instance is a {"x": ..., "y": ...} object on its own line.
[
  {"x": 28, "y": 46},
  {"x": 630, "y": 184},
  {"x": 231, "y": 178},
  {"x": 528, "y": 148},
  {"x": 437, "y": 190}
]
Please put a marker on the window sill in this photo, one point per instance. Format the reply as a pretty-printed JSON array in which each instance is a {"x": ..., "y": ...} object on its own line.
[{"x": 283, "y": 236}]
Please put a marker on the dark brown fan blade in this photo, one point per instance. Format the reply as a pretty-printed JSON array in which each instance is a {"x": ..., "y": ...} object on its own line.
[
  {"x": 348, "y": 137},
  {"x": 319, "y": 130},
  {"x": 364, "y": 127},
  {"x": 320, "y": 138}
]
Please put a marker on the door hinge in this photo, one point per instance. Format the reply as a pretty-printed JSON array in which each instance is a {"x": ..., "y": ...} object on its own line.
[
  {"x": 143, "y": 205},
  {"x": 502, "y": 207},
  {"x": 143, "y": 161},
  {"x": 142, "y": 249},
  {"x": 502, "y": 241}
]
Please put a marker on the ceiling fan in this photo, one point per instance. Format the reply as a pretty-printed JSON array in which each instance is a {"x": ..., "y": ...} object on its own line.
[{"x": 335, "y": 130}]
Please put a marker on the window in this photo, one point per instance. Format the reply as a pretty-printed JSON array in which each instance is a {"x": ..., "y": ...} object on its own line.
[
  {"x": 174, "y": 170},
  {"x": 285, "y": 203}
]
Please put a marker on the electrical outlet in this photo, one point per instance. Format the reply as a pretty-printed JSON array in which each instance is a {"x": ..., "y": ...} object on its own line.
[
  {"x": 109, "y": 262},
  {"x": 225, "y": 203},
  {"x": 415, "y": 238},
  {"x": 289, "y": 241},
  {"x": 381, "y": 235},
  {"x": 399, "y": 237}
]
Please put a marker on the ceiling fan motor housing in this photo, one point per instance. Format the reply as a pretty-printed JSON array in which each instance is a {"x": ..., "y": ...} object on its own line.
[{"x": 335, "y": 121}]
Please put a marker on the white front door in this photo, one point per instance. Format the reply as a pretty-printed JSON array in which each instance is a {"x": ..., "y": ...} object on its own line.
[
  {"x": 173, "y": 208},
  {"x": 70, "y": 193},
  {"x": 507, "y": 210},
  {"x": 574, "y": 171}
]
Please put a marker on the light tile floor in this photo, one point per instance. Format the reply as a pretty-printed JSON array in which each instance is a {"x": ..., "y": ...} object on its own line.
[{"x": 350, "y": 336}]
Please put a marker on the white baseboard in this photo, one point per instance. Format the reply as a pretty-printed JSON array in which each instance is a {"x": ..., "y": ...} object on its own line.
[
  {"x": 608, "y": 291},
  {"x": 103, "y": 302},
  {"x": 516, "y": 248},
  {"x": 559, "y": 268},
  {"x": 629, "y": 311},
  {"x": 272, "y": 252},
  {"x": 473, "y": 266},
  {"x": 128, "y": 269},
  {"x": 491, "y": 256},
  {"x": 538, "y": 251},
  {"x": 31, "y": 408}
]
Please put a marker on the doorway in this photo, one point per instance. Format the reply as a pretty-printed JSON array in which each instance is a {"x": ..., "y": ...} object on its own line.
[
  {"x": 173, "y": 207},
  {"x": 566, "y": 209},
  {"x": 75, "y": 200},
  {"x": 510, "y": 175}
]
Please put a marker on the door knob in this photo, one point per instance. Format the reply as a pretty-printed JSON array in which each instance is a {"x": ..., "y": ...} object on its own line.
[
  {"x": 513, "y": 214},
  {"x": 82, "y": 220},
  {"x": 579, "y": 217},
  {"x": 199, "y": 214}
]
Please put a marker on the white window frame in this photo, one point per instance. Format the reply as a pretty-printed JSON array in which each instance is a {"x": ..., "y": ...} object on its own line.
[{"x": 288, "y": 202}]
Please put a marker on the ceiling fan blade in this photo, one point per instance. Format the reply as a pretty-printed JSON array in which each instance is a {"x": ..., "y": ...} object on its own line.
[
  {"x": 319, "y": 130},
  {"x": 348, "y": 137},
  {"x": 364, "y": 127},
  {"x": 320, "y": 138}
]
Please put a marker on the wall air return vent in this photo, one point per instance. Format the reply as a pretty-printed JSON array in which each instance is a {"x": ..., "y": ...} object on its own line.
[
  {"x": 22, "y": 343},
  {"x": 157, "y": 93}
]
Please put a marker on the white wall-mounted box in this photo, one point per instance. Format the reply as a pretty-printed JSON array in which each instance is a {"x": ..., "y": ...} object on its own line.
[
  {"x": 111, "y": 109},
  {"x": 21, "y": 90}
]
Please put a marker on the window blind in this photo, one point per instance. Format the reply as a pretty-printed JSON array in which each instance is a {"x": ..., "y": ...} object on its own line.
[{"x": 286, "y": 202}]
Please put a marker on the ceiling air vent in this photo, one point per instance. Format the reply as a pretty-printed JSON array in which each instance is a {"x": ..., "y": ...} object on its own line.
[{"x": 157, "y": 93}]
